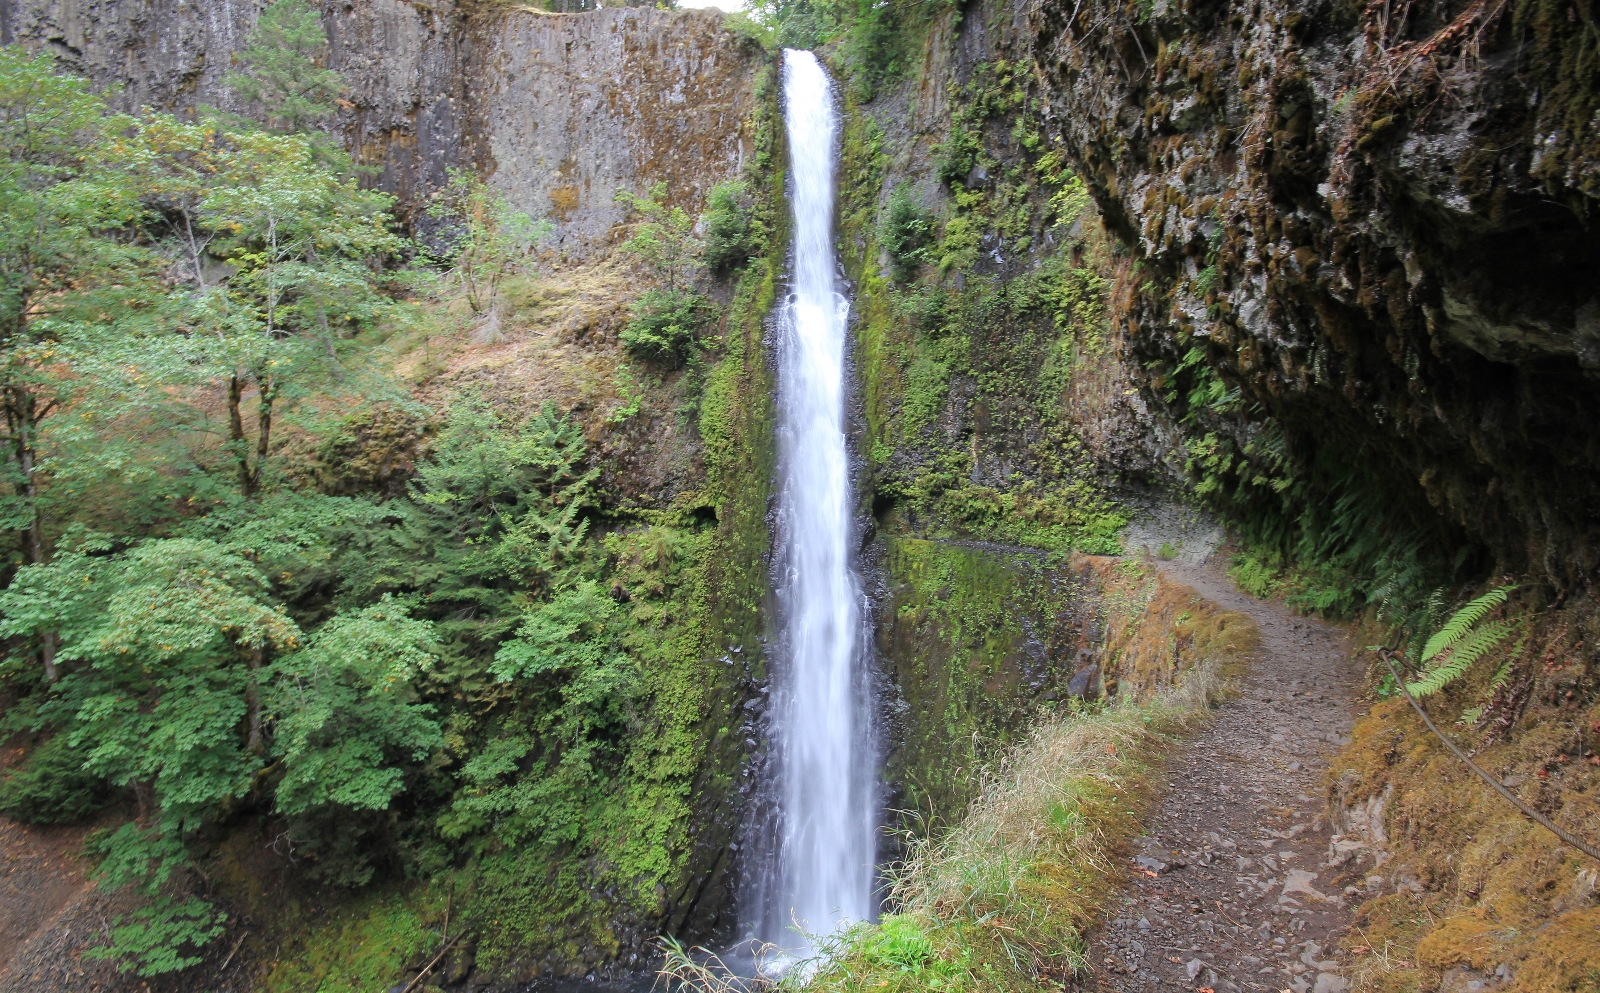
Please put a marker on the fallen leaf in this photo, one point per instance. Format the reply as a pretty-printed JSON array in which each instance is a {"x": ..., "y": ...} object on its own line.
[
  {"x": 1360, "y": 950},
  {"x": 1111, "y": 749}
]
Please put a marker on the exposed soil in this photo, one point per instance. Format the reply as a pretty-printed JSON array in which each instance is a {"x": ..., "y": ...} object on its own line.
[
  {"x": 50, "y": 912},
  {"x": 1233, "y": 888}
]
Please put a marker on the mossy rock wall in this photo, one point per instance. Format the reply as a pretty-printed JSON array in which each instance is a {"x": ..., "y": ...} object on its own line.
[
  {"x": 1362, "y": 250},
  {"x": 979, "y": 640}
]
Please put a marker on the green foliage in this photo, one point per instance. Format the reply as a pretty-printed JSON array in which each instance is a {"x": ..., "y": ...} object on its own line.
[
  {"x": 346, "y": 725},
  {"x": 68, "y": 197},
  {"x": 631, "y": 395},
  {"x": 484, "y": 240},
  {"x": 170, "y": 634},
  {"x": 156, "y": 938},
  {"x": 500, "y": 510},
  {"x": 799, "y": 23},
  {"x": 906, "y": 231},
  {"x": 663, "y": 237},
  {"x": 875, "y": 47},
  {"x": 733, "y": 236},
  {"x": 1326, "y": 531},
  {"x": 1256, "y": 574},
  {"x": 1460, "y": 642},
  {"x": 665, "y": 328},
  {"x": 900, "y": 942},
  {"x": 443, "y": 669},
  {"x": 152, "y": 940},
  {"x": 282, "y": 255},
  {"x": 1462, "y": 623},
  {"x": 280, "y": 80},
  {"x": 51, "y": 786},
  {"x": 958, "y": 155}
]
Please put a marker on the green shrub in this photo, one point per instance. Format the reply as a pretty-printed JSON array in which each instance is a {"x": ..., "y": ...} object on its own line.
[
  {"x": 900, "y": 942},
  {"x": 51, "y": 787},
  {"x": 665, "y": 326},
  {"x": 907, "y": 231},
  {"x": 160, "y": 938},
  {"x": 958, "y": 155},
  {"x": 731, "y": 236},
  {"x": 1257, "y": 574},
  {"x": 875, "y": 47}
]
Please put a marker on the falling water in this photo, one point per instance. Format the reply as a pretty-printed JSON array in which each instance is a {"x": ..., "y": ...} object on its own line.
[{"x": 826, "y": 768}]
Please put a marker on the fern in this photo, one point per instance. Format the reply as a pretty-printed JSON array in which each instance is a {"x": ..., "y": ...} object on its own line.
[
  {"x": 1462, "y": 621},
  {"x": 1460, "y": 642},
  {"x": 1461, "y": 657}
]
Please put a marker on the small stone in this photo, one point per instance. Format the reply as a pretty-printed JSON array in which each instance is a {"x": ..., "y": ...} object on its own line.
[
  {"x": 1294, "y": 767},
  {"x": 1144, "y": 923},
  {"x": 1327, "y": 982},
  {"x": 1193, "y": 967}
]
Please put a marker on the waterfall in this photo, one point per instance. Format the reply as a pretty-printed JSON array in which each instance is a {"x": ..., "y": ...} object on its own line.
[{"x": 821, "y": 875}]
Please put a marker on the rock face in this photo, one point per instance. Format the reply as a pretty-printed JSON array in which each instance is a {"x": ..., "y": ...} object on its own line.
[
  {"x": 559, "y": 109},
  {"x": 1376, "y": 224}
]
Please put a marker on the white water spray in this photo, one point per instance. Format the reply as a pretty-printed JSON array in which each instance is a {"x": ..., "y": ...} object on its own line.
[{"x": 827, "y": 763}]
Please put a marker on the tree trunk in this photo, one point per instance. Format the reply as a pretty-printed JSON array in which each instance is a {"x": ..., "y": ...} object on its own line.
[
  {"x": 21, "y": 416},
  {"x": 269, "y": 392},
  {"x": 252, "y": 699},
  {"x": 241, "y": 452}
]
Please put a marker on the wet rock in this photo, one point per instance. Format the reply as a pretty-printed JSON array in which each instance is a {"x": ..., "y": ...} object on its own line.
[
  {"x": 1085, "y": 682},
  {"x": 1464, "y": 346},
  {"x": 461, "y": 961}
]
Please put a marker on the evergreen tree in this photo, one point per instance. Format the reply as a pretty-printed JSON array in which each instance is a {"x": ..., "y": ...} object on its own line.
[{"x": 282, "y": 81}]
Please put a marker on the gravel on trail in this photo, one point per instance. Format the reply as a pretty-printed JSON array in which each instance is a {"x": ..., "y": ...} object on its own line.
[{"x": 1232, "y": 885}]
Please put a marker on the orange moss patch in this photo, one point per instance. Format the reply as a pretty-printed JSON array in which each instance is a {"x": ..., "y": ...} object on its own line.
[
  {"x": 1156, "y": 628},
  {"x": 1487, "y": 887}
]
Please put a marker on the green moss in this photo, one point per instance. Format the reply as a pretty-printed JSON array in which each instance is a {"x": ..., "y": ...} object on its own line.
[
  {"x": 363, "y": 945},
  {"x": 981, "y": 640}
]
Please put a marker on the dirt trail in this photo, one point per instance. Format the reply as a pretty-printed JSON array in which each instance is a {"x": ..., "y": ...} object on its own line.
[
  {"x": 1233, "y": 892},
  {"x": 49, "y": 912}
]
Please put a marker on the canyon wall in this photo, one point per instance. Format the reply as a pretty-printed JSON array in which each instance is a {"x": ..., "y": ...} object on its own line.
[
  {"x": 558, "y": 110},
  {"x": 1374, "y": 222}
]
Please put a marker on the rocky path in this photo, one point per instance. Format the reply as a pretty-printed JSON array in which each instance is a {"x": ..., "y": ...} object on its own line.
[{"x": 1233, "y": 891}]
